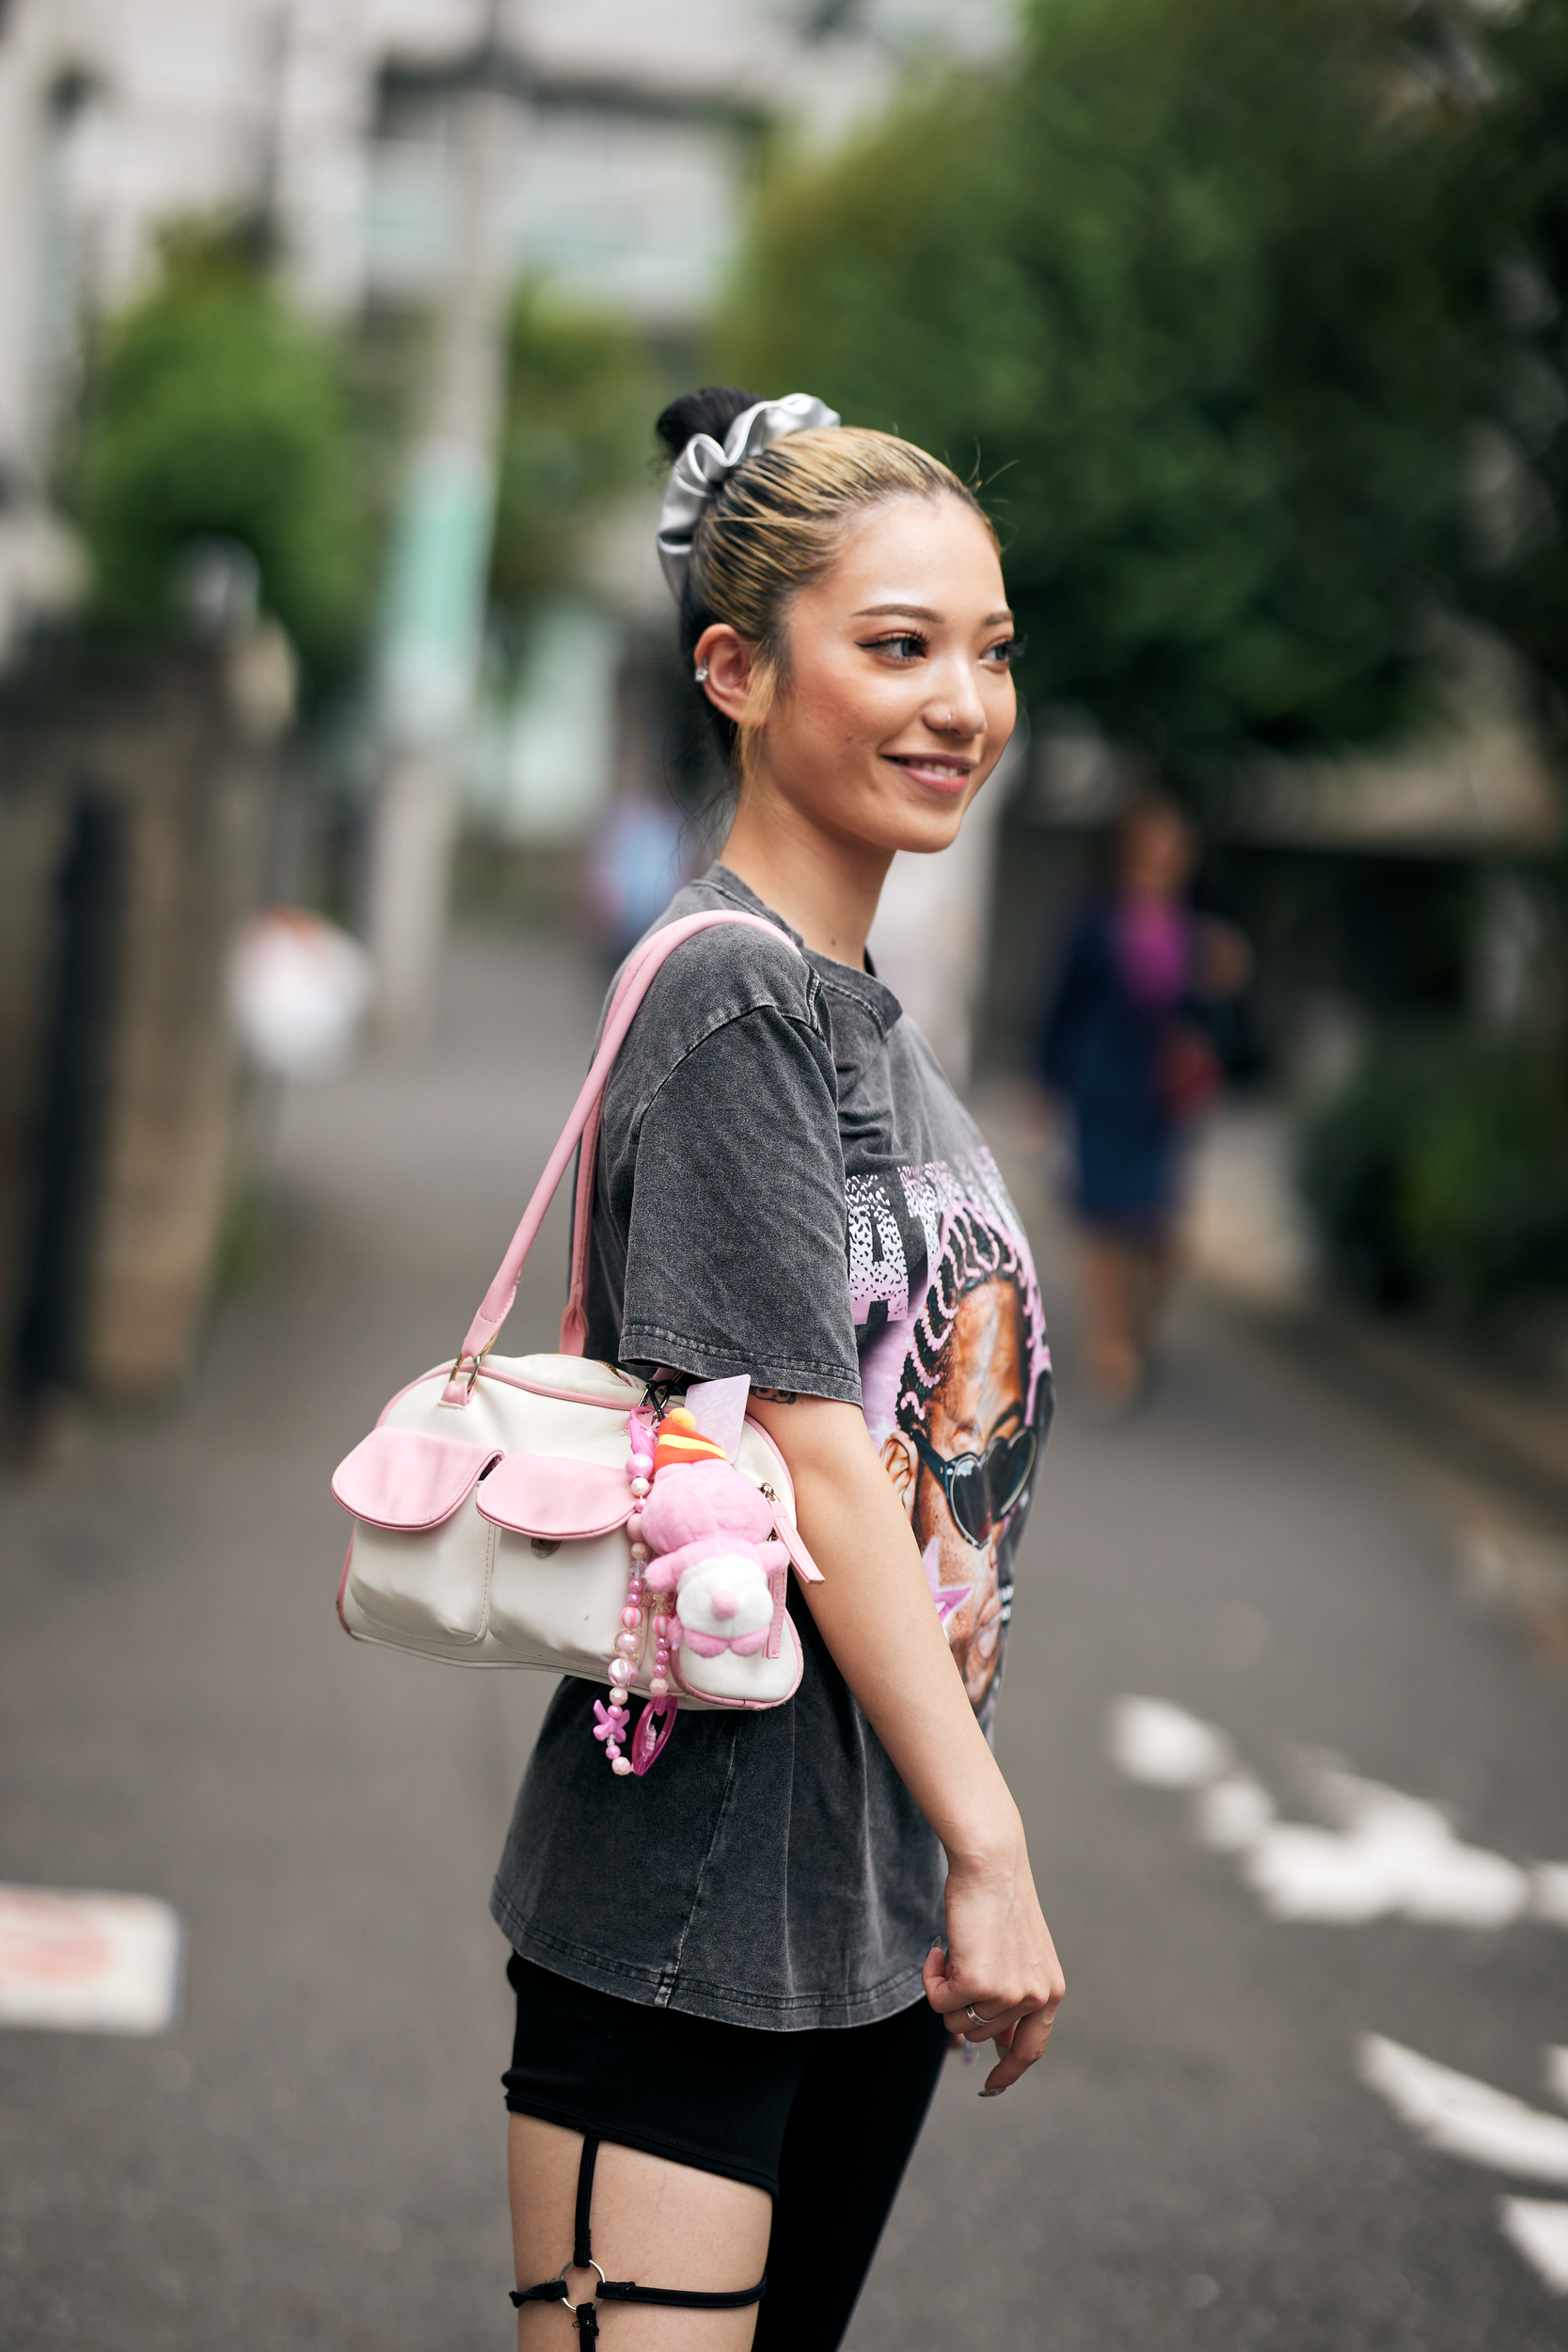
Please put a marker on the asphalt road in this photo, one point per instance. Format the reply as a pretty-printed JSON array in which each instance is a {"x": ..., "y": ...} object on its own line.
[{"x": 313, "y": 2157}]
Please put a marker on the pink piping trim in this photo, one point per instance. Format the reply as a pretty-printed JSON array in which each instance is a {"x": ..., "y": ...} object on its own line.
[
  {"x": 566, "y": 1396},
  {"x": 509, "y": 1379}
]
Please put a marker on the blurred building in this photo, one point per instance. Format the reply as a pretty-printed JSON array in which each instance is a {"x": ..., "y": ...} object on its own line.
[{"x": 632, "y": 135}]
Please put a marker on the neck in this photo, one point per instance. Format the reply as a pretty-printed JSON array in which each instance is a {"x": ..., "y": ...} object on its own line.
[{"x": 826, "y": 887}]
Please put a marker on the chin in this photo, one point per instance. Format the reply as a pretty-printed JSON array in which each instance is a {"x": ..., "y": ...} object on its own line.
[{"x": 924, "y": 832}]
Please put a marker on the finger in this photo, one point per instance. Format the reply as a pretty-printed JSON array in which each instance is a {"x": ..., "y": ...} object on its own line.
[
  {"x": 1030, "y": 2041},
  {"x": 933, "y": 1976}
]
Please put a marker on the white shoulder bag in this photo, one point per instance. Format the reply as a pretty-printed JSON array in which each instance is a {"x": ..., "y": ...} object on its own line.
[{"x": 554, "y": 1512}]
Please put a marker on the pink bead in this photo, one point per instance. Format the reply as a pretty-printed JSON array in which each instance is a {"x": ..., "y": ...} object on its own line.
[
  {"x": 620, "y": 1765},
  {"x": 611, "y": 1750},
  {"x": 631, "y": 1617},
  {"x": 628, "y": 1643},
  {"x": 620, "y": 1673},
  {"x": 659, "y": 1686},
  {"x": 634, "y": 1525},
  {"x": 640, "y": 1486},
  {"x": 640, "y": 1555},
  {"x": 640, "y": 1464}
]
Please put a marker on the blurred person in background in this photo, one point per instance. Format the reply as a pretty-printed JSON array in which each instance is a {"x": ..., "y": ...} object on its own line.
[
  {"x": 636, "y": 860},
  {"x": 1126, "y": 1048},
  {"x": 736, "y": 1976}
]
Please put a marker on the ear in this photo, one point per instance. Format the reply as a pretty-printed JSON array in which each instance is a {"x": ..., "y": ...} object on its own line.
[
  {"x": 731, "y": 661},
  {"x": 902, "y": 1465}
]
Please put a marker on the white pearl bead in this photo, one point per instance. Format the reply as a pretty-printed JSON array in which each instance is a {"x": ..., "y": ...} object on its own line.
[
  {"x": 640, "y": 1487},
  {"x": 620, "y": 1765},
  {"x": 659, "y": 1686}
]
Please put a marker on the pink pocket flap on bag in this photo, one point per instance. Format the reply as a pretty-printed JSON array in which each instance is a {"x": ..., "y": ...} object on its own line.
[
  {"x": 546, "y": 1495},
  {"x": 403, "y": 1479}
]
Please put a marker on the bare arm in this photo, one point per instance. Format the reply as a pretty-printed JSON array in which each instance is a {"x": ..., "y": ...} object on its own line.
[{"x": 874, "y": 1610}]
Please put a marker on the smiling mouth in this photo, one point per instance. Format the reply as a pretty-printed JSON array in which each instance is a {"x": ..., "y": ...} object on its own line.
[{"x": 931, "y": 768}]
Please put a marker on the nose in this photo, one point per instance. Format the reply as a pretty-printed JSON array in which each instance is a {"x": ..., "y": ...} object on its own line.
[
  {"x": 724, "y": 1603},
  {"x": 954, "y": 709}
]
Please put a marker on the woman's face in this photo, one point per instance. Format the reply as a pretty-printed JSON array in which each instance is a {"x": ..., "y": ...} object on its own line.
[
  {"x": 899, "y": 697},
  {"x": 1155, "y": 855},
  {"x": 981, "y": 1399}
]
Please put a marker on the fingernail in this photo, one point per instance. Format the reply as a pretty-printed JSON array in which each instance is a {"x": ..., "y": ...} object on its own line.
[{"x": 996, "y": 2094}]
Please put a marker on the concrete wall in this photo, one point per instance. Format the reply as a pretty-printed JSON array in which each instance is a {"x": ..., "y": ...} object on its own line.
[{"x": 133, "y": 807}]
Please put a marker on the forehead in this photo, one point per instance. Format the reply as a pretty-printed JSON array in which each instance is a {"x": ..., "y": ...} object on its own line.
[{"x": 930, "y": 551}]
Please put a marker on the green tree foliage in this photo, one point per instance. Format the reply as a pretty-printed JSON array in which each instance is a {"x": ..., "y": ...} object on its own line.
[
  {"x": 581, "y": 397},
  {"x": 1170, "y": 281},
  {"x": 219, "y": 411},
  {"x": 1438, "y": 1172},
  {"x": 1506, "y": 237}
]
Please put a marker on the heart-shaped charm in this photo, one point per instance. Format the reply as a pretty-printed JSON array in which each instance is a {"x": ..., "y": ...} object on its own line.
[{"x": 648, "y": 1744}]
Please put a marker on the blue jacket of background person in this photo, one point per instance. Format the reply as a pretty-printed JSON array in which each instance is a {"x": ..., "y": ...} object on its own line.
[{"x": 1100, "y": 1049}]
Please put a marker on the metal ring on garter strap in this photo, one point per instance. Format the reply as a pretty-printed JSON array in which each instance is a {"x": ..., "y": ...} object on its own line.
[{"x": 619, "y": 2290}]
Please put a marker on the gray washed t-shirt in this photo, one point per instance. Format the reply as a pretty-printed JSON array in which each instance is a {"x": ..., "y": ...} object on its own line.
[{"x": 787, "y": 1186}]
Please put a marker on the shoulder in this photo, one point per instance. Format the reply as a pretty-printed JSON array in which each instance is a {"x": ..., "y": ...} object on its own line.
[{"x": 722, "y": 972}]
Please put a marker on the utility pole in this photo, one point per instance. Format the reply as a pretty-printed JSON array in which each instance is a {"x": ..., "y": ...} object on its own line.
[{"x": 432, "y": 614}]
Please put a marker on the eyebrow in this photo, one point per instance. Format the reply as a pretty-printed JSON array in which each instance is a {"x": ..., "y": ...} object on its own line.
[{"x": 920, "y": 613}]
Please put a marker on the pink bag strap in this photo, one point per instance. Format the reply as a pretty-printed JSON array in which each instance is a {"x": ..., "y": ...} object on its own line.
[{"x": 584, "y": 1124}]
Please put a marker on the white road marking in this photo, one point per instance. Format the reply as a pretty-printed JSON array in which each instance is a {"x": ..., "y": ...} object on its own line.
[
  {"x": 1539, "y": 2228},
  {"x": 1165, "y": 1746},
  {"x": 1385, "y": 1853},
  {"x": 83, "y": 1963},
  {"x": 1464, "y": 2117},
  {"x": 1549, "y": 1888},
  {"x": 1232, "y": 1814}
]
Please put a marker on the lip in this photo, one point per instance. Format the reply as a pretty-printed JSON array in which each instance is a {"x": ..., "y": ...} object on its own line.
[{"x": 943, "y": 774}]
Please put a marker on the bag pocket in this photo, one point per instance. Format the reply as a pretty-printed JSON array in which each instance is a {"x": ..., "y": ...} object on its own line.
[
  {"x": 434, "y": 1584},
  {"x": 410, "y": 1481},
  {"x": 731, "y": 1680},
  {"x": 555, "y": 1499},
  {"x": 559, "y": 1603}
]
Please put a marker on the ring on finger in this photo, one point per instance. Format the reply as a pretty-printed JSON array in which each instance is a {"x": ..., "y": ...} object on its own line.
[{"x": 974, "y": 2017}]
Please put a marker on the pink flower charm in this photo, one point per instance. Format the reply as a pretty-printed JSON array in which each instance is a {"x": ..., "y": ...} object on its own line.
[{"x": 613, "y": 1720}]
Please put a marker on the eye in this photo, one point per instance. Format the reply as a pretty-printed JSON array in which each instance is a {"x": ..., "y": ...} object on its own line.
[
  {"x": 905, "y": 646},
  {"x": 1010, "y": 651}
]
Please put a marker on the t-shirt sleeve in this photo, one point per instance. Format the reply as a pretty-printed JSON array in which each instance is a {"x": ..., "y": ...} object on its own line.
[{"x": 736, "y": 1256}]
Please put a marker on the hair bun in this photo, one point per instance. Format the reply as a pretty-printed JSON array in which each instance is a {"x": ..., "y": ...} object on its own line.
[{"x": 714, "y": 409}]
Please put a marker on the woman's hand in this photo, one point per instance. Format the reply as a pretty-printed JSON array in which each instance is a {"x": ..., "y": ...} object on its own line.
[
  {"x": 874, "y": 1610},
  {"x": 1000, "y": 1961}
]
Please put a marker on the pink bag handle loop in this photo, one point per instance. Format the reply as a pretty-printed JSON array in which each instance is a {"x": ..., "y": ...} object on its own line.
[{"x": 584, "y": 1124}]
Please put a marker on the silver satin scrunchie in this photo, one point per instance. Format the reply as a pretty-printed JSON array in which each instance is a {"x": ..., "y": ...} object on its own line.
[{"x": 703, "y": 467}]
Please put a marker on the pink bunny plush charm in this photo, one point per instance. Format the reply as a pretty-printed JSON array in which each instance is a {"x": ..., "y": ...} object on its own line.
[
  {"x": 711, "y": 1534},
  {"x": 710, "y": 1554}
]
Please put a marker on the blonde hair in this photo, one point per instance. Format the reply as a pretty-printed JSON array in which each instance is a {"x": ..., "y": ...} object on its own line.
[{"x": 775, "y": 525}]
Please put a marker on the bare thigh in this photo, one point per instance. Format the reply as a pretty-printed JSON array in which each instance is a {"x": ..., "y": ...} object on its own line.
[{"x": 665, "y": 2225}]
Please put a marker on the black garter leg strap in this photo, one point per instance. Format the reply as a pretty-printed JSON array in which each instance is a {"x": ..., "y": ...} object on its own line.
[
  {"x": 620, "y": 2289},
  {"x": 582, "y": 2240}
]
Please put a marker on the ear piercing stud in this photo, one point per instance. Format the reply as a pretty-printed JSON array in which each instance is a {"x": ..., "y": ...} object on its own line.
[{"x": 700, "y": 674}]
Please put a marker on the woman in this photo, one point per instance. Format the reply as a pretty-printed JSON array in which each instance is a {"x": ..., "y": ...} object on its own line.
[
  {"x": 732, "y": 1998},
  {"x": 1121, "y": 1048}
]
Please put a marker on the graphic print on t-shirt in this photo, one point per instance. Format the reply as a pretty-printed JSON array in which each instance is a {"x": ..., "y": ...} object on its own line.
[{"x": 955, "y": 1383}]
